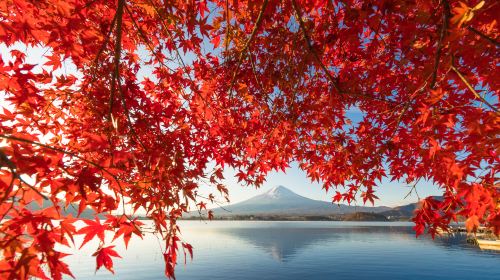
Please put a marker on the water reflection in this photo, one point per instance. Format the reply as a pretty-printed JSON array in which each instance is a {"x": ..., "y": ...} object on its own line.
[{"x": 282, "y": 243}]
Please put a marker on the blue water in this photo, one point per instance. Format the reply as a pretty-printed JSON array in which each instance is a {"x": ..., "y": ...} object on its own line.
[{"x": 300, "y": 250}]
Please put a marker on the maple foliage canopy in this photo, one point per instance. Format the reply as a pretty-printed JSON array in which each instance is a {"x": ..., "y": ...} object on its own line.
[{"x": 165, "y": 95}]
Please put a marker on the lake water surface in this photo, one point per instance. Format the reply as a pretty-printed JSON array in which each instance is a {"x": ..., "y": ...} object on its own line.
[{"x": 299, "y": 250}]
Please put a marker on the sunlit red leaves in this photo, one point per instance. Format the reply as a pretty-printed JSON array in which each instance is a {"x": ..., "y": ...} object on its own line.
[
  {"x": 369, "y": 195},
  {"x": 56, "y": 266},
  {"x": 170, "y": 258},
  {"x": 427, "y": 217},
  {"x": 26, "y": 266},
  {"x": 187, "y": 247},
  {"x": 202, "y": 205},
  {"x": 125, "y": 228},
  {"x": 54, "y": 61},
  {"x": 436, "y": 96},
  {"x": 337, "y": 197},
  {"x": 104, "y": 258},
  {"x": 93, "y": 229},
  {"x": 67, "y": 230}
]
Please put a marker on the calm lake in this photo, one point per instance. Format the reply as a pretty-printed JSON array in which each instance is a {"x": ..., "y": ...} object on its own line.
[{"x": 299, "y": 250}]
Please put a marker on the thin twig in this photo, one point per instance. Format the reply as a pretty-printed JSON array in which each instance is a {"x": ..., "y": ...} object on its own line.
[
  {"x": 469, "y": 86},
  {"x": 413, "y": 187},
  {"x": 214, "y": 201}
]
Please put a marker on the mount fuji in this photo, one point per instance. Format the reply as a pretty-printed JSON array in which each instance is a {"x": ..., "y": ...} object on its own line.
[{"x": 282, "y": 201}]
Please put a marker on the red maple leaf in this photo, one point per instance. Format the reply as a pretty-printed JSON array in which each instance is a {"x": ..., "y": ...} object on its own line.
[
  {"x": 103, "y": 257},
  {"x": 93, "y": 228}
]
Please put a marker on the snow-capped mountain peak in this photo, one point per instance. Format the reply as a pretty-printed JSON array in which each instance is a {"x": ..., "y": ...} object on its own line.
[{"x": 279, "y": 192}]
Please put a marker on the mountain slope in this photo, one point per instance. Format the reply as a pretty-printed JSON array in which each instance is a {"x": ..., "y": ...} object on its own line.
[
  {"x": 405, "y": 211},
  {"x": 282, "y": 201}
]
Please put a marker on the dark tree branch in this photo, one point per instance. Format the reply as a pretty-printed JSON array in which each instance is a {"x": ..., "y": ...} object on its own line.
[
  {"x": 444, "y": 28},
  {"x": 100, "y": 167},
  {"x": 118, "y": 49},
  {"x": 484, "y": 36},
  {"x": 247, "y": 44},
  {"x": 14, "y": 138},
  {"x": 116, "y": 73},
  {"x": 15, "y": 175},
  {"x": 298, "y": 16}
]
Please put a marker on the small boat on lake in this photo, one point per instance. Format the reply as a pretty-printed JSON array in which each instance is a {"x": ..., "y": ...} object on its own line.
[{"x": 488, "y": 244}]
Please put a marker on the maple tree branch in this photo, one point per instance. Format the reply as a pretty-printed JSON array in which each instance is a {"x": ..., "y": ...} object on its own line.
[
  {"x": 93, "y": 66},
  {"x": 16, "y": 175},
  {"x": 151, "y": 49},
  {"x": 146, "y": 40},
  {"x": 247, "y": 44},
  {"x": 4, "y": 158},
  {"x": 444, "y": 28},
  {"x": 311, "y": 48},
  {"x": 169, "y": 33},
  {"x": 70, "y": 154},
  {"x": 116, "y": 74},
  {"x": 176, "y": 49},
  {"x": 469, "y": 86},
  {"x": 31, "y": 187},
  {"x": 298, "y": 16},
  {"x": 86, "y": 6},
  {"x": 214, "y": 201},
  {"x": 10, "y": 137},
  {"x": 200, "y": 215},
  {"x": 413, "y": 187},
  {"x": 7, "y": 211},
  {"x": 407, "y": 106},
  {"x": 259, "y": 83},
  {"x": 228, "y": 25},
  {"x": 179, "y": 57},
  {"x": 484, "y": 36},
  {"x": 118, "y": 19},
  {"x": 117, "y": 54},
  {"x": 106, "y": 40}
]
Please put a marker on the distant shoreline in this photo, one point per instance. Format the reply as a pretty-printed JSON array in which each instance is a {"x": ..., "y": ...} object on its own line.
[{"x": 357, "y": 216}]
